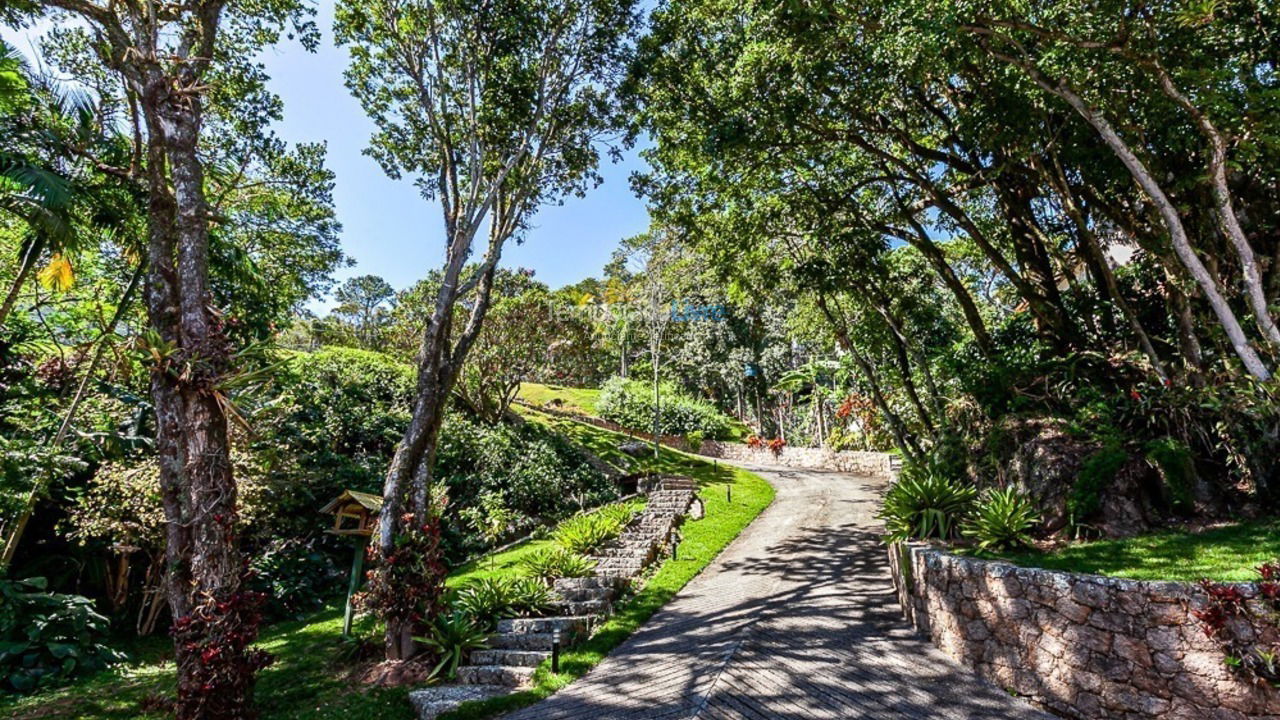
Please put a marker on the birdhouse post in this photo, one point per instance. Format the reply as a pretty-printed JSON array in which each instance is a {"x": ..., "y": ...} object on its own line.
[{"x": 355, "y": 515}]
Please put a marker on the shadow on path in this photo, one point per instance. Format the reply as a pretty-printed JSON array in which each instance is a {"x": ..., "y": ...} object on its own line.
[{"x": 795, "y": 620}]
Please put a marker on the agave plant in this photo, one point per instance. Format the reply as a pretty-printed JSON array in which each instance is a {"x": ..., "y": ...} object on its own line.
[{"x": 922, "y": 505}]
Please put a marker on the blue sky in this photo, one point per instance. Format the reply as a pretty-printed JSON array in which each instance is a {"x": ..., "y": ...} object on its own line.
[{"x": 388, "y": 228}]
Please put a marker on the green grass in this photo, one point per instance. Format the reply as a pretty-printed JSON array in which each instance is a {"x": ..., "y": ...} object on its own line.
[
  {"x": 579, "y": 400},
  {"x": 583, "y": 401},
  {"x": 1226, "y": 554},
  {"x": 307, "y": 682},
  {"x": 508, "y": 561},
  {"x": 304, "y": 683}
]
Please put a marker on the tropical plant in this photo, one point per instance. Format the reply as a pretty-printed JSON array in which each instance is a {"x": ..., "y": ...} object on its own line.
[
  {"x": 48, "y": 637},
  {"x": 490, "y": 599},
  {"x": 1002, "y": 519},
  {"x": 923, "y": 505},
  {"x": 586, "y": 531},
  {"x": 551, "y": 564},
  {"x": 452, "y": 636}
]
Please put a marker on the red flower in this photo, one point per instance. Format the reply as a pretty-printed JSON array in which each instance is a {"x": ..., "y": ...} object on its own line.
[{"x": 1135, "y": 395}]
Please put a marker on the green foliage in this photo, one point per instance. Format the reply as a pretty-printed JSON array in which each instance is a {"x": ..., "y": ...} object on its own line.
[
  {"x": 1002, "y": 519},
  {"x": 490, "y": 599},
  {"x": 1173, "y": 459},
  {"x": 295, "y": 575},
  {"x": 1096, "y": 474},
  {"x": 46, "y": 638},
  {"x": 630, "y": 404},
  {"x": 452, "y": 636},
  {"x": 694, "y": 440},
  {"x": 553, "y": 563},
  {"x": 587, "y": 531},
  {"x": 922, "y": 505}
]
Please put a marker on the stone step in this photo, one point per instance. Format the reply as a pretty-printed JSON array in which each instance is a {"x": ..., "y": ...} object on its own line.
[
  {"x": 617, "y": 573},
  {"x": 565, "y": 624},
  {"x": 517, "y": 658},
  {"x": 564, "y": 584},
  {"x": 610, "y": 563},
  {"x": 584, "y": 607},
  {"x": 510, "y": 676},
  {"x": 586, "y": 594},
  {"x": 523, "y": 641},
  {"x": 432, "y": 702}
]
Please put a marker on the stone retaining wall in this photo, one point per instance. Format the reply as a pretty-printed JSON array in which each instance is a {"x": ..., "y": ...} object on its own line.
[
  {"x": 876, "y": 464},
  {"x": 1080, "y": 645}
]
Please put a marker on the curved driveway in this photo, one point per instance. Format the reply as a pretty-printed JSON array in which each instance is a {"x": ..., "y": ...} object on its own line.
[{"x": 795, "y": 620}]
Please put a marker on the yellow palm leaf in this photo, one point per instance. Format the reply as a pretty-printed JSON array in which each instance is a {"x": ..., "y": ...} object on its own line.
[{"x": 58, "y": 274}]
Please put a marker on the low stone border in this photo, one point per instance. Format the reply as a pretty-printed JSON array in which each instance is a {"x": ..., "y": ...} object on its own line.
[
  {"x": 1080, "y": 645},
  {"x": 877, "y": 464}
]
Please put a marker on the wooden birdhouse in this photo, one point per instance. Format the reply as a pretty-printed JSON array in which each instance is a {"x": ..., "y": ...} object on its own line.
[{"x": 354, "y": 513}]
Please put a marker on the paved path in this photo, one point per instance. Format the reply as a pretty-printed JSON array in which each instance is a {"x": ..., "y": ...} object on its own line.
[{"x": 795, "y": 620}]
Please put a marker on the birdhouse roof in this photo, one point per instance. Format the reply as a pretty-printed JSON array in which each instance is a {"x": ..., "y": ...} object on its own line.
[{"x": 368, "y": 501}]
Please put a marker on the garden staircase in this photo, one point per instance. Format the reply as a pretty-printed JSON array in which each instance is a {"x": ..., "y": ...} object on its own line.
[{"x": 521, "y": 644}]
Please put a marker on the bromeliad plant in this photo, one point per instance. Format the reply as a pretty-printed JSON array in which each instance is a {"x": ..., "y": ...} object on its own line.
[
  {"x": 1245, "y": 625},
  {"x": 452, "y": 637},
  {"x": 554, "y": 563},
  {"x": 925, "y": 505},
  {"x": 1002, "y": 519},
  {"x": 490, "y": 599}
]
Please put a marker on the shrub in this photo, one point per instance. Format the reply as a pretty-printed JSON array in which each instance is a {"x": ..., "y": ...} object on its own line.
[
  {"x": 48, "y": 637},
  {"x": 295, "y": 576},
  {"x": 553, "y": 563},
  {"x": 924, "y": 504},
  {"x": 452, "y": 636},
  {"x": 1002, "y": 519},
  {"x": 694, "y": 440},
  {"x": 630, "y": 404},
  {"x": 1097, "y": 472},
  {"x": 1177, "y": 472}
]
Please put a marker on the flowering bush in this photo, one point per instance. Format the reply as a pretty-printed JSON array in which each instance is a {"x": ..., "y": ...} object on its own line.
[
  {"x": 776, "y": 446},
  {"x": 1248, "y": 633}
]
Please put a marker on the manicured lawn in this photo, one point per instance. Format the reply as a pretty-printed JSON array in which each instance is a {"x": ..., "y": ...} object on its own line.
[
  {"x": 579, "y": 400},
  {"x": 1226, "y": 553},
  {"x": 583, "y": 401},
  {"x": 309, "y": 682}
]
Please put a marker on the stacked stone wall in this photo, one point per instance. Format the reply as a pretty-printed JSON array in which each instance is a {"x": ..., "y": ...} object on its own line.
[{"x": 1080, "y": 645}]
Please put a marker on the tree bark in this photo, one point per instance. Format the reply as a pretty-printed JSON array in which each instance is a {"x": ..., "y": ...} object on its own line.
[
  {"x": 1168, "y": 213},
  {"x": 29, "y": 258},
  {"x": 1228, "y": 223}
]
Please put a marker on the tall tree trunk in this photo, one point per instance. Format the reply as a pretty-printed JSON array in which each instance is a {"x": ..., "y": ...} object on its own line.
[
  {"x": 1228, "y": 223},
  {"x": 34, "y": 248},
  {"x": 1092, "y": 249},
  {"x": 1168, "y": 213}
]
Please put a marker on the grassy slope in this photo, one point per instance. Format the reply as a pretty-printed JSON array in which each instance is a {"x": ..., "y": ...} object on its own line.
[
  {"x": 306, "y": 683},
  {"x": 1226, "y": 553},
  {"x": 583, "y": 401},
  {"x": 579, "y": 400}
]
